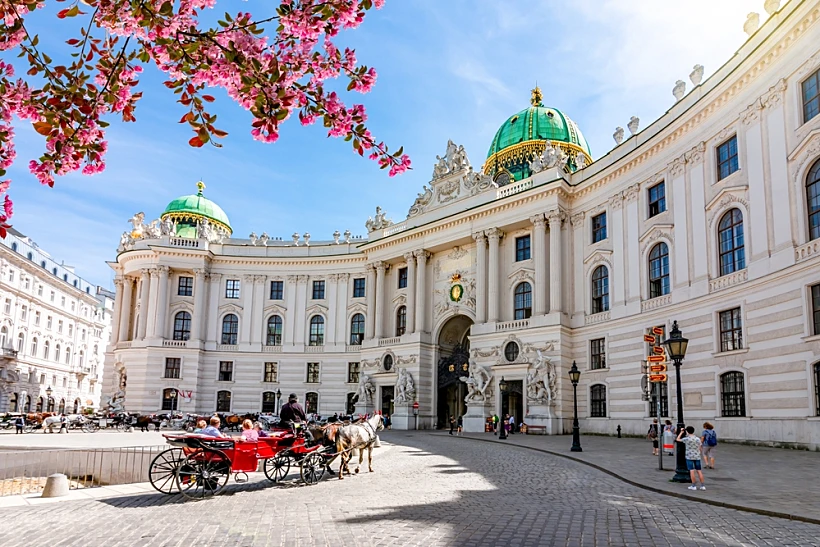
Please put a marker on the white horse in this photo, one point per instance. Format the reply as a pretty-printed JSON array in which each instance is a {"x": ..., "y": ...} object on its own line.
[
  {"x": 50, "y": 422},
  {"x": 360, "y": 436}
]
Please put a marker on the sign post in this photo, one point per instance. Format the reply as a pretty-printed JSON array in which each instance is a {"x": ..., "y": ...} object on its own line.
[
  {"x": 416, "y": 413},
  {"x": 655, "y": 370}
]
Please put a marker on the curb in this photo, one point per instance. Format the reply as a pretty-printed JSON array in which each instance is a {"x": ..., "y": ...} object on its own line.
[{"x": 611, "y": 473}]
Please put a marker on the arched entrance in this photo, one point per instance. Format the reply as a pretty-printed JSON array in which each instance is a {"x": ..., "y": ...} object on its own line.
[{"x": 454, "y": 357}]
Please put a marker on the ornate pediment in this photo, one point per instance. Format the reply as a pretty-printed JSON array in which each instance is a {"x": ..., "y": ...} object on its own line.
[
  {"x": 274, "y": 309},
  {"x": 601, "y": 256},
  {"x": 357, "y": 307},
  {"x": 230, "y": 308},
  {"x": 655, "y": 233},
  {"x": 400, "y": 299},
  {"x": 805, "y": 155},
  {"x": 180, "y": 306},
  {"x": 521, "y": 274},
  {"x": 316, "y": 308},
  {"x": 724, "y": 199}
]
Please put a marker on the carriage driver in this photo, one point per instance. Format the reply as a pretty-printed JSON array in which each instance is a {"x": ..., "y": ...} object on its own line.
[{"x": 292, "y": 413}]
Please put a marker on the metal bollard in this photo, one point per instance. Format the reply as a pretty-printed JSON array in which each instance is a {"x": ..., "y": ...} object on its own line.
[{"x": 619, "y": 431}]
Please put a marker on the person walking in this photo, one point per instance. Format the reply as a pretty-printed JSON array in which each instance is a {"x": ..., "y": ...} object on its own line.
[
  {"x": 512, "y": 424},
  {"x": 669, "y": 438},
  {"x": 452, "y": 424},
  {"x": 693, "y": 455},
  {"x": 495, "y": 424},
  {"x": 460, "y": 425},
  {"x": 709, "y": 440},
  {"x": 20, "y": 423},
  {"x": 652, "y": 435},
  {"x": 506, "y": 424}
]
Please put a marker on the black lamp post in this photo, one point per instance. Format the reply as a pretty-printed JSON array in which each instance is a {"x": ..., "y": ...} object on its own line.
[
  {"x": 49, "y": 391},
  {"x": 502, "y": 430},
  {"x": 278, "y": 400},
  {"x": 574, "y": 376},
  {"x": 676, "y": 346}
]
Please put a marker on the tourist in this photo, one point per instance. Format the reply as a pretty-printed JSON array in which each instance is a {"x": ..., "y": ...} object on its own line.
[
  {"x": 669, "y": 438},
  {"x": 388, "y": 422},
  {"x": 495, "y": 424},
  {"x": 452, "y": 424},
  {"x": 709, "y": 440},
  {"x": 261, "y": 433},
  {"x": 20, "y": 423},
  {"x": 292, "y": 412},
  {"x": 693, "y": 446},
  {"x": 512, "y": 424},
  {"x": 200, "y": 425},
  {"x": 63, "y": 424},
  {"x": 506, "y": 424},
  {"x": 460, "y": 424},
  {"x": 652, "y": 434},
  {"x": 213, "y": 429},
  {"x": 249, "y": 434}
]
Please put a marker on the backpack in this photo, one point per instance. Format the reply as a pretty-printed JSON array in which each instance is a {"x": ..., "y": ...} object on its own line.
[{"x": 711, "y": 437}]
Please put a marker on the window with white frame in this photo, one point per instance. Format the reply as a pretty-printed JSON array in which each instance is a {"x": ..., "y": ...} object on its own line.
[
  {"x": 731, "y": 330},
  {"x": 270, "y": 374},
  {"x": 225, "y": 371},
  {"x": 312, "y": 373},
  {"x": 232, "y": 288},
  {"x": 810, "y": 88}
]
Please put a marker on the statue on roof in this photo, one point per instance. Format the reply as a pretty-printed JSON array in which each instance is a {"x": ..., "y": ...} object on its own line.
[
  {"x": 380, "y": 222},
  {"x": 422, "y": 201}
]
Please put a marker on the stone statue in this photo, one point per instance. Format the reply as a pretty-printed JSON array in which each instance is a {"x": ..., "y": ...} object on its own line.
[
  {"x": 422, "y": 201},
  {"x": 440, "y": 168},
  {"x": 405, "y": 388},
  {"x": 771, "y": 6},
  {"x": 563, "y": 158},
  {"x": 306, "y": 237},
  {"x": 477, "y": 382},
  {"x": 752, "y": 23},
  {"x": 580, "y": 160},
  {"x": 203, "y": 229},
  {"x": 679, "y": 90},
  {"x": 541, "y": 381},
  {"x": 125, "y": 241},
  {"x": 366, "y": 389},
  {"x": 336, "y": 236},
  {"x": 550, "y": 156},
  {"x": 167, "y": 227},
  {"x": 138, "y": 226},
  {"x": 263, "y": 239},
  {"x": 618, "y": 135},
  {"x": 537, "y": 163},
  {"x": 634, "y": 123},
  {"x": 380, "y": 222},
  {"x": 460, "y": 160},
  {"x": 696, "y": 76},
  {"x": 347, "y": 235},
  {"x": 253, "y": 238},
  {"x": 295, "y": 238}
]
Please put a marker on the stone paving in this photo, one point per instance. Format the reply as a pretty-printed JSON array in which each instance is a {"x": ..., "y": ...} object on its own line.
[{"x": 427, "y": 489}]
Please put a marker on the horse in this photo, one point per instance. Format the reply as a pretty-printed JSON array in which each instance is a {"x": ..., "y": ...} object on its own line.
[
  {"x": 361, "y": 436},
  {"x": 51, "y": 421}
]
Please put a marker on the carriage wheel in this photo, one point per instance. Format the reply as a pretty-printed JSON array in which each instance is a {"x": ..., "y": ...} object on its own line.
[
  {"x": 162, "y": 472},
  {"x": 203, "y": 474},
  {"x": 313, "y": 468},
  {"x": 28, "y": 429},
  {"x": 277, "y": 467}
]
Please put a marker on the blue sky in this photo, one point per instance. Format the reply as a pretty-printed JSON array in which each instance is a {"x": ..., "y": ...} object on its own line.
[{"x": 447, "y": 70}]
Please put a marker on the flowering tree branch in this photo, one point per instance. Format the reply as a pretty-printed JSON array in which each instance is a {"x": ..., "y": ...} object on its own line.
[{"x": 270, "y": 75}]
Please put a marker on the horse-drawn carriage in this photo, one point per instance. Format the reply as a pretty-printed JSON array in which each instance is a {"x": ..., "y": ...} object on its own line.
[{"x": 199, "y": 467}]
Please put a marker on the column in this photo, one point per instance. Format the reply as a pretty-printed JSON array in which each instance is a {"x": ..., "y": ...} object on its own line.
[
  {"x": 247, "y": 309},
  {"x": 162, "y": 301},
  {"x": 411, "y": 292},
  {"x": 343, "y": 281},
  {"x": 540, "y": 261},
  {"x": 634, "y": 266},
  {"x": 290, "y": 314},
  {"x": 198, "y": 317},
  {"x": 300, "y": 325},
  {"x": 381, "y": 267},
  {"x": 144, "y": 290},
  {"x": 481, "y": 277},
  {"x": 258, "y": 309},
  {"x": 697, "y": 195},
  {"x": 421, "y": 289},
  {"x": 115, "y": 321},
  {"x": 579, "y": 281},
  {"x": 153, "y": 295},
  {"x": 212, "y": 334},
  {"x": 125, "y": 309},
  {"x": 370, "y": 293},
  {"x": 494, "y": 235},
  {"x": 332, "y": 290},
  {"x": 556, "y": 262}
]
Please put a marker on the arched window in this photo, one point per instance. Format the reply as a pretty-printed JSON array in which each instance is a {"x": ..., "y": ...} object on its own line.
[
  {"x": 21, "y": 342},
  {"x": 27, "y": 406},
  {"x": 68, "y": 356},
  {"x": 230, "y": 329},
  {"x": 817, "y": 388},
  {"x": 57, "y": 353},
  {"x": 731, "y": 249},
  {"x": 40, "y": 403},
  {"x": 356, "y": 329},
  {"x": 269, "y": 402},
  {"x": 46, "y": 348},
  {"x": 169, "y": 399},
  {"x": 14, "y": 247},
  {"x": 401, "y": 320},
  {"x": 61, "y": 407},
  {"x": 600, "y": 289},
  {"x": 182, "y": 325},
  {"x": 76, "y": 406},
  {"x": 523, "y": 301},
  {"x": 13, "y": 401},
  {"x": 659, "y": 270},
  {"x": 311, "y": 402},
  {"x": 50, "y": 406},
  {"x": 732, "y": 395},
  {"x": 223, "y": 401},
  {"x": 317, "y": 331},
  {"x": 813, "y": 200},
  {"x": 274, "y": 337},
  {"x": 350, "y": 404},
  {"x": 34, "y": 347},
  {"x": 597, "y": 401}
]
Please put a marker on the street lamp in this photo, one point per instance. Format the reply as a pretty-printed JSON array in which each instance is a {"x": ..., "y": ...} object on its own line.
[
  {"x": 278, "y": 399},
  {"x": 676, "y": 346},
  {"x": 49, "y": 391},
  {"x": 574, "y": 376},
  {"x": 502, "y": 433}
]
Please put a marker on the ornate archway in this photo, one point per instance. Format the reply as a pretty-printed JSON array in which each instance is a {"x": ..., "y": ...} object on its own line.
[{"x": 454, "y": 357}]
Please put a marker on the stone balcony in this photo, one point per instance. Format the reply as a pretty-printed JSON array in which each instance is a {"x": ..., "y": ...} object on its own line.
[
  {"x": 656, "y": 302},
  {"x": 728, "y": 280},
  {"x": 518, "y": 324}
]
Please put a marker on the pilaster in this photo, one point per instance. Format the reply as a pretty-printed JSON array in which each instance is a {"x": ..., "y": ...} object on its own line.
[
  {"x": 494, "y": 236},
  {"x": 481, "y": 277},
  {"x": 539, "y": 248},
  {"x": 411, "y": 292}
]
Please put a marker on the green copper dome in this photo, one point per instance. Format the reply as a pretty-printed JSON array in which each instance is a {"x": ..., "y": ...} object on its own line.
[
  {"x": 188, "y": 210},
  {"x": 523, "y": 137}
]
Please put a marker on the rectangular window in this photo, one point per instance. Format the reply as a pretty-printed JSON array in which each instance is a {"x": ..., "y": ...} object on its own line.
[
  {"x": 37, "y": 318},
  {"x": 28, "y": 283},
  {"x": 277, "y": 290},
  {"x": 402, "y": 278},
  {"x": 353, "y": 373},
  {"x": 271, "y": 374},
  {"x": 815, "y": 307},
  {"x": 186, "y": 286},
  {"x": 11, "y": 276},
  {"x": 522, "y": 248},
  {"x": 52, "y": 296},
  {"x": 732, "y": 395},
  {"x": 597, "y": 401},
  {"x": 727, "y": 158},
  {"x": 731, "y": 330},
  {"x": 312, "y": 373},
  {"x": 7, "y": 307},
  {"x": 73, "y": 305},
  {"x": 311, "y": 403},
  {"x": 70, "y": 329},
  {"x": 23, "y": 313},
  {"x": 40, "y": 290},
  {"x": 232, "y": 288},
  {"x": 358, "y": 287},
  {"x": 62, "y": 301},
  {"x": 318, "y": 290},
  {"x": 172, "y": 367},
  {"x": 811, "y": 96},
  {"x": 225, "y": 371},
  {"x": 597, "y": 353},
  {"x": 48, "y": 322},
  {"x": 599, "y": 228},
  {"x": 60, "y": 327},
  {"x": 657, "y": 199}
]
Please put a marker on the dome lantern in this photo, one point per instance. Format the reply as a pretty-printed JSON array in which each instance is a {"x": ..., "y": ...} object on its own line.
[{"x": 189, "y": 211}]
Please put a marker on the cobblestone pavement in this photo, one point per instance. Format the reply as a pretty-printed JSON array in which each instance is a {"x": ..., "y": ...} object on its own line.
[{"x": 426, "y": 490}]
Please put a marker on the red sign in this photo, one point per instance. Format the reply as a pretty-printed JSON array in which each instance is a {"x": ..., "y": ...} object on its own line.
[
  {"x": 657, "y": 330},
  {"x": 657, "y": 350},
  {"x": 649, "y": 338},
  {"x": 657, "y": 368},
  {"x": 657, "y": 378},
  {"x": 656, "y": 358},
  {"x": 416, "y": 405}
]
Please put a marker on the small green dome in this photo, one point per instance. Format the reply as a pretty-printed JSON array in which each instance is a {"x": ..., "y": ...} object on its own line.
[
  {"x": 187, "y": 210},
  {"x": 523, "y": 136}
]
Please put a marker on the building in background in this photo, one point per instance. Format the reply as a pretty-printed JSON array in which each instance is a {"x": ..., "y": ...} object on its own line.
[
  {"x": 516, "y": 269},
  {"x": 54, "y": 329}
]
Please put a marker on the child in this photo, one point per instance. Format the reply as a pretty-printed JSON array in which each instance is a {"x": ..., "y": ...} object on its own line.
[{"x": 693, "y": 445}]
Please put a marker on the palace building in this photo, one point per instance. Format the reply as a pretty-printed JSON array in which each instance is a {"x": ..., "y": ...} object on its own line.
[{"x": 518, "y": 266}]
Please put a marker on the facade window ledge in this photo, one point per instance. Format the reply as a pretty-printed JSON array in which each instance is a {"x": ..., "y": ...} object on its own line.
[
  {"x": 313, "y": 383},
  {"x": 314, "y": 349},
  {"x": 813, "y": 418},
  {"x": 601, "y": 369},
  {"x": 656, "y": 302},
  {"x": 272, "y": 349},
  {"x": 735, "y": 418},
  {"x": 812, "y": 338},
  {"x": 728, "y": 178},
  {"x": 173, "y": 378},
  {"x": 728, "y": 353},
  {"x": 728, "y": 280},
  {"x": 270, "y": 383},
  {"x": 598, "y": 418},
  {"x": 225, "y": 381},
  {"x": 594, "y": 318}
]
